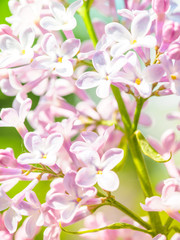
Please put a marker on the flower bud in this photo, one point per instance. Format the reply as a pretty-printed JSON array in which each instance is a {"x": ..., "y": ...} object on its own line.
[
  {"x": 171, "y": 31},
  {"x": 160, "y": 6},
  {"x": 174, "y": 50}
]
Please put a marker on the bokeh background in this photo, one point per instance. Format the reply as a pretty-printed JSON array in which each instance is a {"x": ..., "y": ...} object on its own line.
[{"x": 129, "y": 191}]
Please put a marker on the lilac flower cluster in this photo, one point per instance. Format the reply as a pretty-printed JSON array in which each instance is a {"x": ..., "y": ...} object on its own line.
[{"x": 127, "y": 61}]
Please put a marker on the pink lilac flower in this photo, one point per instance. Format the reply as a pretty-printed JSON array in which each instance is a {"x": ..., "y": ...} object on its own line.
[
  {"x": 57, "y": 58},
  {"x": 169, "y": 200},
  {"x": 12, "y": 216},
  {"x": 138, "y": 37},
  {"x": 138, "y": 78},
  {"x": 170, "y": 32},
  {"x": 107, "y": 71},
  {"x": 16, "y": 53},
  {"x": 70, "y": 202},
  {"x": 173, "y": 50},
  {"x": 26, "y": 14},
  {"x": 100, "y": 169},
  {"x": 4, "y": 233},
  {"x": 172, "y": 72},
  {"x": 42, "y": 149},
  {"x": 33, "y": 209},
  {"x": 63, "y": 19},
  {"x": 15, "y": 117}
]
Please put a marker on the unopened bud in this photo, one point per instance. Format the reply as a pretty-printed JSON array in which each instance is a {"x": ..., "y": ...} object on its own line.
[
  {"x": 174, "y": 50},
  {"x": 160, "y": 6},
  {"x": 171, "y": 31}
]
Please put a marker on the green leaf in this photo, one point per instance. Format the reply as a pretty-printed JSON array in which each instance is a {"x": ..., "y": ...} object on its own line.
[
  {"x": 111, "y": 226},
  {"x": 148, "y": 150}
]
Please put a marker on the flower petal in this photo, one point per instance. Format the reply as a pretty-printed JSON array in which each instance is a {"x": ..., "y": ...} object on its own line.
[
  {"x": 111, "y": 158},
  {"x": 117, "y": 32},
  {"x": 26, "y": 38},
  {"x": 86, "y": 177},
  {"x": 108, "y": 181},
  {"x": 140, "y": 25},
  {"x": 88, "y": 80}
]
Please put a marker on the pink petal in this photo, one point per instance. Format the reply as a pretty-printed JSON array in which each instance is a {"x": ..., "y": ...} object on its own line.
[
  {"x": 70, "y": 47},
  {"x": 54, "y": 142},
  {"x": 10, "y": 116},
  {"x": 103, "y": 90},
  {"x": 153, "y": 73},
  {"x": 140, "y": 25},
  {"x": 11, "y": 220},
  {"x": 111, "y": 158},
  {"x": 32, "y": 141},
  {"x": 108, "y": 181},
  {"x": 88, "y": 80},
  {"x": 26, "y": 38},
  {"x": 147, "y": 41},
  {"x": 49, "y": 44},
  {"x": 117, "y": 32},
  {"x": 8, "y": 43},
  {"x": 101, "y": 60},
  {"x": 5, "y": 201},
  {"x": 64, "y": 69},
  {"x": 50, "y": 24},
  {"x": 30, "y": 226},
  {"x": 57, "y": 10},
  {"x": 24, "y": 109},
  {"x": 86, "y": 177},
  {"x": 74, "y": 6},
  {"x": 153, "y": 204},
  {"x": 69, "y": 213},
  {"x": 32, "y": 198},
  {"x": 89, "y": 137},
  {"x": 168, "y": 139},
  {"x": 59, "y": 201}
]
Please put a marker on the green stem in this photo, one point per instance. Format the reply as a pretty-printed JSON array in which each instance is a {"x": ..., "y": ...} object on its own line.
[
  {"x": 137, "y": 113},
  {"x": 112, "y": 227},
  {"x": 122, "y": 208},
  {"x": 168, "y": 223},
  {"x": 136, "y": 155},
  {"x": 84, "y": 12},
  {"x": 122, "y": 108}
]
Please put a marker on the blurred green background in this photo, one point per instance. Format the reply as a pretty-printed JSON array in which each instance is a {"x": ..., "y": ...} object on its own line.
[{"x": 129, "y": 192}]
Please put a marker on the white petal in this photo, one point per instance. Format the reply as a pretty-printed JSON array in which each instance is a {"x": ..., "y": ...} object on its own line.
[{"x": 26, "y": 38}]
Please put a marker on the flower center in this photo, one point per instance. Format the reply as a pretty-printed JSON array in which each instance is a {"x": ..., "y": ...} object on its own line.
[
  {"x": 107, "y": 78},
  {"x": 133, "y": 42},
  {"x": 138, "y": 81},
  {"x": 78, "y": 199},
  {"x": 60, "y": 59},
  {"x": 23, "y": 51},
  {"x": 44, "y": 156},
  {"x": 173, "y": 77},
  {"x": 99, "y": 172}
]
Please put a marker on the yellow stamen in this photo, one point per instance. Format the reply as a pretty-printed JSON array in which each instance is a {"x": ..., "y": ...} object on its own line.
[
  {"x": 99, "y": 172},
  {"x": 133, "y": 42},
  {"x": 60, "y": 59},
  {"x": 23, "y": 51},
  {"x": 107, "y": 78},
  {"x": 32, "y": 60},
  {"x": 44, "y": 156},
  {"x": 78, "y": 199},
  {"x": 173, "y": 77},
  {"x": 138, "y": 81}
]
